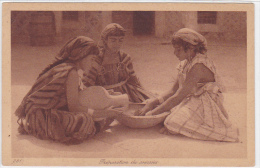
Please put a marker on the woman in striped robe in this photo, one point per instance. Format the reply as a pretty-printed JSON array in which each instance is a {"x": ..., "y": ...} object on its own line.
[
  {"x": 51, "y": 109},
  {"x": 117, "y": 73},
  {"x": 195, "y": 100}
]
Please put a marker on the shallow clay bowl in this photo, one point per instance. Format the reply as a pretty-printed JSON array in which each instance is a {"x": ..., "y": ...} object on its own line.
[{"x": 128, "y": 119}]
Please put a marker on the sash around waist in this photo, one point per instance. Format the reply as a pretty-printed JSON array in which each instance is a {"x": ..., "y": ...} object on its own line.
[{"x": 210, "y": 87}]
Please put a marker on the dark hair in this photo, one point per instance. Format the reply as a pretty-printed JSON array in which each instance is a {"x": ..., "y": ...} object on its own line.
[
  {"x": 199, "y": 48},
  {"x": 116, "y": 32}
]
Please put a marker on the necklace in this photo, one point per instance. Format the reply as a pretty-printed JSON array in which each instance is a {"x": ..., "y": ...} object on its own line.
[{"x": 110, "y": 59}]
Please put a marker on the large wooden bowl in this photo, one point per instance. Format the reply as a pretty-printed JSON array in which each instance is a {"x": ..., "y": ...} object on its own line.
[{"x": 128, "y": 119}]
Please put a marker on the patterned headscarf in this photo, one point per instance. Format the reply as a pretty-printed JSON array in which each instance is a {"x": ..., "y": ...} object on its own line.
[
  {"x": 77, "y": 48},
  {"x": 191, "y": 37}
]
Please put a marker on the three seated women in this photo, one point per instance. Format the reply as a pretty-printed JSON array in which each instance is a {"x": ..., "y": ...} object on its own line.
[{"x": 51, "y": 109}]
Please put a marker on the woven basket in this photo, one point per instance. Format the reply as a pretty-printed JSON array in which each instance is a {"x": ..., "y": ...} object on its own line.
[{"x": 128, "y": 119}]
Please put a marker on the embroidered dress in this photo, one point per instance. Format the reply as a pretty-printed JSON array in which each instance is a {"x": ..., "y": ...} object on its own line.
[
  {"x": 120, "y": 77},
  {"x": 44, "y": 110},
  {"x": 201, "y": 115}
]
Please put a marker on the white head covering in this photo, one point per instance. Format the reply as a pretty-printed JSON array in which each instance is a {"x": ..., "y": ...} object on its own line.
[{"x": 191, "y": 37}]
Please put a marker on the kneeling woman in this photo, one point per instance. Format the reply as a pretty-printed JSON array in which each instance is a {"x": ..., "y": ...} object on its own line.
[
  {"x": 117, "y": 72},
  {"x": 51, "y": 109},
  {"x": 195, "y": 101}
]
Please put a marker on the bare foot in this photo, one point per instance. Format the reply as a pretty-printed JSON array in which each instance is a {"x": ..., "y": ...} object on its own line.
[
  {"x": 103, "y": 124},
  {"x": 165, "y": 131}
]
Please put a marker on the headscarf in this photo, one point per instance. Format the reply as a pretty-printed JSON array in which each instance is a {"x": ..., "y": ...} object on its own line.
[
  {"x": 77, "y": 48},
  {"x": 112, "y": 28},
  {"x": 74, "y": 50},
  {"x": 191, "y": 36}
]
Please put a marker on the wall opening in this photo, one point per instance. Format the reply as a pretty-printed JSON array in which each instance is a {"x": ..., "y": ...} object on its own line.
[
  {"x": 70, "y": 15},
  {"x": 207, "y": 17},
  {"x": 143, "y": 22}
]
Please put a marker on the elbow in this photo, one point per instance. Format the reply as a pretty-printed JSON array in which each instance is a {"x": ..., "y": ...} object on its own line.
[{"x": 75, "y": 108}]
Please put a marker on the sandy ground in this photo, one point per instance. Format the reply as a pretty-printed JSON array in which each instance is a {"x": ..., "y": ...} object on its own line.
[{"x": 155, "y": 65}]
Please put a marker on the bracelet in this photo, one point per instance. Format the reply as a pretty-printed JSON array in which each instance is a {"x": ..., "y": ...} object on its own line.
[{"x": 161, "y": 100}]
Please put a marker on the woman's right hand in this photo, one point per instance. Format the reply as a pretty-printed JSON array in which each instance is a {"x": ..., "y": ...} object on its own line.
[
  {"x": 109, "y": 112},
  {"x": 111, "y": 92},
  {"x": 150, "y": 105},
  {"x": 114, "y": 111}
]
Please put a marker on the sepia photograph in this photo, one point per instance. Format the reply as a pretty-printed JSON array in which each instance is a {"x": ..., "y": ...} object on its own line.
[{"x": 128, "y": 84}]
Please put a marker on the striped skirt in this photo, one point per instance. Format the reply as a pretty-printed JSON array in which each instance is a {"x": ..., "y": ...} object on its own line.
[{"x": 57, "y": 125}]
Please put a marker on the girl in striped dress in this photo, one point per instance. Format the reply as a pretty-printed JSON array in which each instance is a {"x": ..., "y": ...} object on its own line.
[
  {"x": 51, "y": 109},
  {"x": 195, "y": 100},
  {"x": 117, "y": 73}
]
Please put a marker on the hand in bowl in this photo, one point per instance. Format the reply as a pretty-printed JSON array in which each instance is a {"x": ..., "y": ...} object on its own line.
[
  {"x": 150, "y": 105},
  {"x": 109, "y": 112},
  {"x": 149, "y": 113},
  {"x": 111, "y": 92},
  {"x": 116, "y": 110}
]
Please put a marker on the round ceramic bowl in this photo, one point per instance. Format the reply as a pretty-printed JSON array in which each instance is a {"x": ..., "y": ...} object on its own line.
[{"x": 130, "y": 120}]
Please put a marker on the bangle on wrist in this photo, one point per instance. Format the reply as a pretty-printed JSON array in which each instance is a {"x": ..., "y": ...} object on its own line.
[{"x": 161, "y": 100}]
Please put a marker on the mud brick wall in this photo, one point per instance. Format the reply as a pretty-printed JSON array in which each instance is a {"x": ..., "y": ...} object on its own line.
[
  {"x": 89, "y": 24},
  {"x": 173, "y": 22},
  {"x": 20, "y": 23},
  {"x": 233, "y": 24},
  {"x": 229, "y": 25}
]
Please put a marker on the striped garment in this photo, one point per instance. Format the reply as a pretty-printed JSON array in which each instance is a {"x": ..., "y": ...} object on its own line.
[
  {"x": 44, "y": 110},
  {"x": 201, "y": 115},
  {"x": 121, "y": 77}
]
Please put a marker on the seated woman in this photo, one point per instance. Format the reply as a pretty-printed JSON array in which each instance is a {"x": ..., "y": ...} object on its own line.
[
  {"x": 51, "y": 109},
  {"x": 117, "y": 71},
  {"x": 195, "y": 100}
]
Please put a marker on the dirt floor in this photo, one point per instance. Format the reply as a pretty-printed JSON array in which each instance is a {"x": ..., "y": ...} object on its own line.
[{"x": 155, "y": 66}]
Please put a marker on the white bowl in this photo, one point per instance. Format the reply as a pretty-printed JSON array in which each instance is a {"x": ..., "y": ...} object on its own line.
[{"x": 128, "y": 119}]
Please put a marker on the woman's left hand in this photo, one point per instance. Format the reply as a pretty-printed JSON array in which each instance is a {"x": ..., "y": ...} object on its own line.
[
  {"x": 152, "y": 112},
  {"x": 111, "y": 92},
  {"x": 108, "y": 112},
  {"x": 149, "y": 113},
  {"x": 116, "y": 110}
]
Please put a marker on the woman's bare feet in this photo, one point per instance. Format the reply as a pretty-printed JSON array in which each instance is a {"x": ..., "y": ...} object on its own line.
[{"x": 165, "y": 131}]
